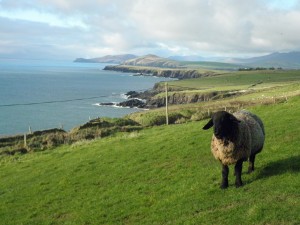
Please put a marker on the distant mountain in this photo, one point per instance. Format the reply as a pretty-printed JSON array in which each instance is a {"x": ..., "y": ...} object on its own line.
[
  {"x": 107, "y": 59},
  {"x": 153, "y": 61},
  {"x": 290, "y": 60}
]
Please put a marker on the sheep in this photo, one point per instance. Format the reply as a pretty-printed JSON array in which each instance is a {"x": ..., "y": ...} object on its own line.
[{"x": 236, "y": 138}]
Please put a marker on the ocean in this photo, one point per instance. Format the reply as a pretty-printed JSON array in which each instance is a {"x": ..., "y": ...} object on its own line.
[{"x": 59, "y": 94}]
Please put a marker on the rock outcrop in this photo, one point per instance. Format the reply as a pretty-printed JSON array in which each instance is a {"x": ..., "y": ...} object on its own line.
[
  {"x": 132, "y": 103},
  {"x": 155, "y": 101}
]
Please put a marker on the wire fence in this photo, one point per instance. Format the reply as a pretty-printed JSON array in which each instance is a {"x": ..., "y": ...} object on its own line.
[
  {"x": 54, "y": 101},
  {"x": 61, "y": 101},
  {"x": 81, "y": 99}
]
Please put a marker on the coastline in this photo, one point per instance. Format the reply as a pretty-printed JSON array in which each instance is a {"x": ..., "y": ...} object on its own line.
[
  {"x": 49, "y": 84},
  {"x": 177, "y": 73},
  {"x": 142, "y": 97}
]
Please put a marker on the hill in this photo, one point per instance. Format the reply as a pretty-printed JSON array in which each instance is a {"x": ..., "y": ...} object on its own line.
[
  {"x": 117, "y": 59},
  {"x": 158, "y": 66},
  {"x": 160, "y": 175},
  {"x": 289, "y": 60},
  {"x": 152, "y": 61},
  {"x": 173, "y": 62}
]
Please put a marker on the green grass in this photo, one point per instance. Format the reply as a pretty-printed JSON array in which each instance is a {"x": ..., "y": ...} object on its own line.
[
  {"x": 180, "y": 113},
  {"x": 241, "y": 80},
  {"x": 210, "y": 65},
  {"x": 160, "y": 175}
]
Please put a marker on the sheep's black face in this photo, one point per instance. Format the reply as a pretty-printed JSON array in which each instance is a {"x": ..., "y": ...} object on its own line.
[{"x": 224, "y": 125}]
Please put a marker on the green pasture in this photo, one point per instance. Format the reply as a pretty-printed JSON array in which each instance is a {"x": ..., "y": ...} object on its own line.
[
  {"x": 159, "y": 175},
  {"x": 210, "y": 65},
  {"x": 241, "y": 80},
  {"x": 166, "y": 174}
]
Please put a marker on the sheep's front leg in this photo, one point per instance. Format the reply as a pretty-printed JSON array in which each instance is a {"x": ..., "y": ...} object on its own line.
[
  {"x": 225, "y": 171},
  {"x": 238, "y": 173}
]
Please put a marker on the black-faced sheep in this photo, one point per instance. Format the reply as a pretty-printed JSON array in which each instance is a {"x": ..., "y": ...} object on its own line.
[{"x": 236, "y": 137}]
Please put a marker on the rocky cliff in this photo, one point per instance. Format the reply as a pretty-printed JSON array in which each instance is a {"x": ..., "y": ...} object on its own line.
[
  {"x": 154, "y": 99},
  {"x": 186, "y": 98},
  {"x": 159, "y": 72}
]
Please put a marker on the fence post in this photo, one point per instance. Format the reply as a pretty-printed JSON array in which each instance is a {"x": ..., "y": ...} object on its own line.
[
  {"x": 25, "y": 140},
  {"x": 167, "y": 111}
]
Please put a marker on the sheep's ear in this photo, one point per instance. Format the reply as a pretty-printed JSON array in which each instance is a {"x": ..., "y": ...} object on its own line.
[{"x": 208, "y": 125}]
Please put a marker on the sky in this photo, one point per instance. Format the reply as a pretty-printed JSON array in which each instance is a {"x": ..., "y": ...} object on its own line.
[{"x": 69, "y": 29}]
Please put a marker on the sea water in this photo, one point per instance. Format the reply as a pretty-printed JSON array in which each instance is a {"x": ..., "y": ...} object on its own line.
[{"x": 53, "y": 94}]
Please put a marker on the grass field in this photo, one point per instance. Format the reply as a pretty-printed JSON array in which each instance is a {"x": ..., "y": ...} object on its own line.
[
  {"x": 241, "y": 80},
  {"x": 210, "y": 65},
  {"x": 252, "y": 88},
  {"x": 160, "y": 175}
]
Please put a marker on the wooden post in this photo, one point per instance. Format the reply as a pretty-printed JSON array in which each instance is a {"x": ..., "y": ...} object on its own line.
[
  {"x": 25, "y": 140},
  {"x": 167, "y": 113}
]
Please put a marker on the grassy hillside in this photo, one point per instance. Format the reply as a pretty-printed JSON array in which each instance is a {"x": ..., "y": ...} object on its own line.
[
  {"x": 159, "y": 62},
  {"x": 233, "y": 90},
  {"x": 152, "y": 61},
  {"x": 160, "y": 175},
  {"x": 241, "y": 80},
  {"x": 211, "y": 65}
]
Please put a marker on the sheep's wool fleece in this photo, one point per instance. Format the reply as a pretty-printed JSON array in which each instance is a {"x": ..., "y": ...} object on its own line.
[
  {"x": 256, "y": 128},
  {"x": 250, "y": 140},
  {"x": 229, "y": 152}
]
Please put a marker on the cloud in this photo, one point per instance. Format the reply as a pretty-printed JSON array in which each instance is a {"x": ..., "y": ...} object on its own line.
[
  {"x": 50, "y": 19},
  {"x": 217, "y": 26},
  {"x": 78, "y": 28}
]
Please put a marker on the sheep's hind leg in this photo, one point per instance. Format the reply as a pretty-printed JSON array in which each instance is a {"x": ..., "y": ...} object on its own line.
[
  {"x": 225, "y": 171},
  {"x": 238, "y": 173},
  {"x": 251, "y": 163}
]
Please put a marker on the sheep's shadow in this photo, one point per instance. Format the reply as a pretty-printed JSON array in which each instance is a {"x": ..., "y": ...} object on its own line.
[{"x": 287, "y": 165}]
